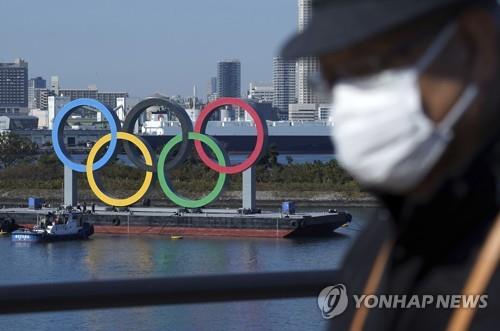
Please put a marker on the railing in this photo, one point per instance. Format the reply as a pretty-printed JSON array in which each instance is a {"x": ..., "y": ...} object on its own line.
[{"x": 162, "y": 291}]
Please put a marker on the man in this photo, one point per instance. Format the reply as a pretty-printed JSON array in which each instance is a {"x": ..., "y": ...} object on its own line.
[{"x": 416, "y": 103}]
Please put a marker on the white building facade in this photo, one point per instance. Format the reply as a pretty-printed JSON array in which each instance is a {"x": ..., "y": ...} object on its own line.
[{"x": 54, "y": 106}]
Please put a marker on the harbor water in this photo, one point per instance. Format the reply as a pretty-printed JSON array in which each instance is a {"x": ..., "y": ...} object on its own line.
[{"x": 112, "y": 257}]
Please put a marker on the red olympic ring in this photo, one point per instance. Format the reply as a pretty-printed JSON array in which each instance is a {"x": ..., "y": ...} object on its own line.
[{"x": 200, "y": 127}]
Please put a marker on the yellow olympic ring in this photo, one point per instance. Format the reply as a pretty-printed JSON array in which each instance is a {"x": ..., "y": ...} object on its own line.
[{"x": 147, "y": 180}]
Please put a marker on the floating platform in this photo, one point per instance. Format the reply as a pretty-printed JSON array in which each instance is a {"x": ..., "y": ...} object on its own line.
[{"x": 205, "y": 222}]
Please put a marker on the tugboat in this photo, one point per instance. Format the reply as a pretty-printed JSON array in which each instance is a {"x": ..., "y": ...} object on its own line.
[
  {"x": 56, "y": 227},
  {"x": 7, "y": 226}
]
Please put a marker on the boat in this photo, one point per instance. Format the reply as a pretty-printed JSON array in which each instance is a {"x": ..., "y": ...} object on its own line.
[
  {"x": 7, "y": 225},
  {"x": 56, "y": 227}
]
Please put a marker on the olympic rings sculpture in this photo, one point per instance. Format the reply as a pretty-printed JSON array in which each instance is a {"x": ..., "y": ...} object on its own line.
[{"x": 149, "y": 162}]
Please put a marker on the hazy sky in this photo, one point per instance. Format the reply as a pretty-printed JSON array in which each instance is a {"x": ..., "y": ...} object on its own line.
[{"x": 144, "y": 46}]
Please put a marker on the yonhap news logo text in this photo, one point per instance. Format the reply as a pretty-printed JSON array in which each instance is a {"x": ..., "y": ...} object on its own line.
[{"x": 334, "y": 300}]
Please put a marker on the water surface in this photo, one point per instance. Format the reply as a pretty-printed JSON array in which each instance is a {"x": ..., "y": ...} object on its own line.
[{"x": 111, "y": 257}]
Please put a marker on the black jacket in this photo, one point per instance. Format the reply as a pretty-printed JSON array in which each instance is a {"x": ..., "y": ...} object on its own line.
[{"x": 434, "y": 246}]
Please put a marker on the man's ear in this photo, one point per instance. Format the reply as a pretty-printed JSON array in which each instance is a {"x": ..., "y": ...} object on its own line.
[{"x": 479, "y": 30}]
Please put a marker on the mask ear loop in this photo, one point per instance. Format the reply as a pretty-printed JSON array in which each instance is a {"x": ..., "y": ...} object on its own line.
[
  {"x": 437, "y": 46},
  {"x": 468, "y": 96},
  {"x": 464, "y": 102}
]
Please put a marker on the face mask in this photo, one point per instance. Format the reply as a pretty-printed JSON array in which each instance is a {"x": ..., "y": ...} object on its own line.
[{"x": 381, "y": 133}]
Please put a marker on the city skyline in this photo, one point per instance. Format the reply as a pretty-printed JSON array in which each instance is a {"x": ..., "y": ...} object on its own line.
[{"x": 129, "y": 57}]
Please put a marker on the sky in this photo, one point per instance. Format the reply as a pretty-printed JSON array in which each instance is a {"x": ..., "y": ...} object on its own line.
[{"x": 145, "y": 46}]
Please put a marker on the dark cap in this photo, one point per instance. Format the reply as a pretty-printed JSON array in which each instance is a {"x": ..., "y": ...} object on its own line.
[{"x": 338, "y": 24}]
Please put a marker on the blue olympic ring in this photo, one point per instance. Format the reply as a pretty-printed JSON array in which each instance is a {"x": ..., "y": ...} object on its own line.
[{"x": 58, "y": 130}]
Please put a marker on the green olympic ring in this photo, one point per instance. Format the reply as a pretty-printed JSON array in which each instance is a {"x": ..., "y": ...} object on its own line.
[{"x": 167, "y": 186}]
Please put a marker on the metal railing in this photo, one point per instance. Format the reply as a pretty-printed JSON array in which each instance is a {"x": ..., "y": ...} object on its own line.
[{"x": 162, "y": 291}]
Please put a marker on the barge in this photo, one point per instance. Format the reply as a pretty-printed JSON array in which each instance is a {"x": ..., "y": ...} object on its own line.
[{"x": 204, "y": 222}]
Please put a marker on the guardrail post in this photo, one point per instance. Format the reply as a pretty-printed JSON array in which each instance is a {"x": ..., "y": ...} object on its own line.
[{"x": 70, "y": 187}]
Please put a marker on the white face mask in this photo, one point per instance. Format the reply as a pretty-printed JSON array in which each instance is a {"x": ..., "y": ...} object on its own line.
[{"x": 381, "y": 133}]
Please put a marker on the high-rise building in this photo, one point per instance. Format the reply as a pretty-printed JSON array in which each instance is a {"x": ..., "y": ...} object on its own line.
[
  {"x": 261, "y": 92},
  {"x": 229, "y": 79},
  {"x": 212, "y": 89},
  {"x": 284, "y": 86},
  {"x": 37, "y": 82},
  {"x": 213, "y": 85},
  {"x": 307, "y": 66},
  {"x": 54, "y": 85},
  {"x": 14, "y": 87},
  {"x": 35, "y": 87},
  {"x": 308, "y": 102}
]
